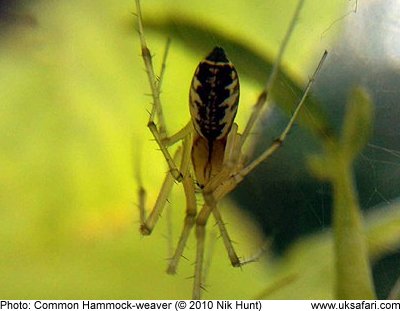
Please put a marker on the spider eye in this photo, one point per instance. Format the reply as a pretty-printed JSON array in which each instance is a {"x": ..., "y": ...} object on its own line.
[{"x": 214, "y": 96}]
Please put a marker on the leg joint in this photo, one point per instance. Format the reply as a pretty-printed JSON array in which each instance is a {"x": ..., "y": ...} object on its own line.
[
  {"x": 278, "y": 141},
  {"x": 146, "y": 52},
  {"x": 151, "y": 125},
  {"x": 176, "y": 173},
  {"x": 191, "y": 213},
  {"x": 144, "y": 229}
]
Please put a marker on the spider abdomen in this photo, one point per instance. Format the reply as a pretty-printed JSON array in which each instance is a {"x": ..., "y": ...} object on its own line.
[{"x": 214, "y": 96}]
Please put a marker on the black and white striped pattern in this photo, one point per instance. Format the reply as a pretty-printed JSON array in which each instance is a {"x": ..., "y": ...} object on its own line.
[{"x": 214, "y": 96}]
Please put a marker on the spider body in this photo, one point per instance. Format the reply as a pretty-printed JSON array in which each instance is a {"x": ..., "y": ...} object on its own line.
[
  {"x": 211, "y": 147},
  {"x": 214, "y": 96},
  {"x": 213, "y": 102}
]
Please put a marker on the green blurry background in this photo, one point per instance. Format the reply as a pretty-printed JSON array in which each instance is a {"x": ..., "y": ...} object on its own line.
[{"x": 73, "y": 114}]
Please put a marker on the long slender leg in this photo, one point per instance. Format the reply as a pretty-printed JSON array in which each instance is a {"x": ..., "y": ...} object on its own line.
[
  {"x": 232, "y": 153},
  {"x": 141, "y": 189},
  {"x": 231, "y": 160},
  {"x": 190, "y": 219},
  {"x": 268, "y": 86},
  {"x": 212, "y": 238},
  {"x": 142, "y": 203},
  {"x": 158, "y": 132},
  {"x": 233, "y": 257},
  {"x": 279, "y": 141},
  {"x": 180, "y": 135},
  {"x": 161, "y": 121},
  {"x": 191, "y": 208},
  {"x": 147, "y": 224},
  {"x": 163, "y": 64},
  {"x": 201, "y": 222},
  {"x": 209, "y": 207}
]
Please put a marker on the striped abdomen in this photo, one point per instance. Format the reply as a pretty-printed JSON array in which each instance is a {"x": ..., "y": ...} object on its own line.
[{"x": 214, "y": 96}]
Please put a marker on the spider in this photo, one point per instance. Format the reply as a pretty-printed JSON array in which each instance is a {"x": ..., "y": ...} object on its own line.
[{"x": 210, "y": 159}]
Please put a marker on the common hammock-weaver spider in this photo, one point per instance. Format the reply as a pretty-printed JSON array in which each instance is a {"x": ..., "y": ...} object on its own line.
[{"x": 210, "y": 160}]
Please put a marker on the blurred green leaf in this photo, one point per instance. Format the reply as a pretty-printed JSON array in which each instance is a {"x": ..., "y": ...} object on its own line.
[
  {"x": 353, "y": 271},
  {"x": 357, "y": 125}
]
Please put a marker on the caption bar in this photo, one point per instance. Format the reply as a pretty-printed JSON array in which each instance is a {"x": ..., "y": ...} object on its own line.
[{"x": 178, "y": 305}]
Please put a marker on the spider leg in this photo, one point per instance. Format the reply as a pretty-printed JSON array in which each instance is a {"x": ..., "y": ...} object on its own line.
[
  {"x": 279, "y": 141},
  {"x": 231, "y": 163},
  {"x": 232, "y": 154},
  {"x": 209, "y": 207},
  {"x": 262, "y": 98},
  {"x": 232, "y": 159},
  {"x": 162, "y": 128},
  {"x": 180, "y": 135},
  {"x": 191, "y": 208},
  {"x": 233, "y": 257},
  {"x": 223, "y": 183},
  {"x": 162, "y": 72},
  {"x": 159, "y": 132},
  {"x": 188, "y": 185},
  {"x": 211, "y": 198},
  {"x": 201, "y": 222},
  {"x": 148, "y": 223},
  {"x": 190, "y": 219}
]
